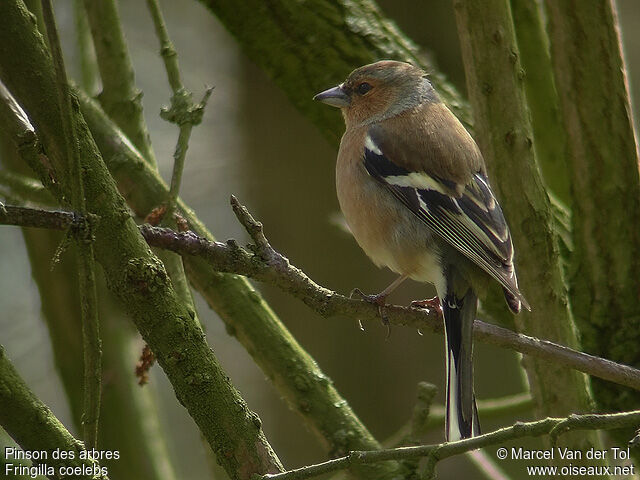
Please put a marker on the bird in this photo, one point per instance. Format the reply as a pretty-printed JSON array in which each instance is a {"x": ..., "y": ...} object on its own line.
[{"x": 413, "y": 187}]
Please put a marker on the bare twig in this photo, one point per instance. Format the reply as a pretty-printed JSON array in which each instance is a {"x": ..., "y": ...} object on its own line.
[
  {"x": 437, "y": 452},
  {"x": 183, "y": 111},
  {"x": 86, "y": 261}
]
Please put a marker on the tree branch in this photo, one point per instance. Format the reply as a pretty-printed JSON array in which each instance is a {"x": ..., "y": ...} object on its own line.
[
  {"x": 267, "y": 265},
  {"x": 25, "y": 188},
  {"x": 327, "y": 39},
  {"x": 120, "y": 97},
  {"x": 554, "y": 427},
  {"x": 92, "y": 349},
  {"x": 264, "y": 263},
  {"x": 602, "y": 164},
  {"x": 34, "y": 427},
  {"x": 505, "y": 136},
  {"x": 183, "y": 111}
]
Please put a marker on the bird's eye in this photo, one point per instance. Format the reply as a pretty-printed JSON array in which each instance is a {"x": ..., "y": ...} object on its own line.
[{"x": 364, "y": 87}]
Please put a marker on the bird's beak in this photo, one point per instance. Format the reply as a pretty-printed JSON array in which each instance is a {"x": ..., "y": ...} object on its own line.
[{"x": 336, "y": 97}]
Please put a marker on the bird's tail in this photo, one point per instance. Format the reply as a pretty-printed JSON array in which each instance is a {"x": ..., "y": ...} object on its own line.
[{"x": 462, "y": 414}]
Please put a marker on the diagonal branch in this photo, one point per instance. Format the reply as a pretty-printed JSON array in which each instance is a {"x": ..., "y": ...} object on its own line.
[
  {"x": 267, "y": 265},
  {"x": 34, "y": 427}
]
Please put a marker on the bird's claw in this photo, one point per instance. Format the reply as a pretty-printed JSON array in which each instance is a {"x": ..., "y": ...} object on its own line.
[
  {"x": 379, "y": 301},
  {"x": 428, "y": 303}
]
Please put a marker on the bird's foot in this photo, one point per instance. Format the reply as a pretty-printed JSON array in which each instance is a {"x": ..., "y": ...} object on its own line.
[
  {"x": 379, "y": 301},
  {"x": 429, "y": 303}
]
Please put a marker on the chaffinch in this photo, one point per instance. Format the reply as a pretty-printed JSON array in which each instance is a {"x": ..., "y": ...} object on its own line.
[{"x": 413, "y": 188}]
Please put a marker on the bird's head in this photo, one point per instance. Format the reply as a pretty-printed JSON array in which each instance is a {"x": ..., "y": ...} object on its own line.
[{"x": 380, "y": 90}]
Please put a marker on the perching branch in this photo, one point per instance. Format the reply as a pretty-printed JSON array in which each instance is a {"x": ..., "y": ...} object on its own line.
[
  {"x": 264, "y": 263},
  {"x": 92, "y": 350},
  {"x": 554, "y": 427}
]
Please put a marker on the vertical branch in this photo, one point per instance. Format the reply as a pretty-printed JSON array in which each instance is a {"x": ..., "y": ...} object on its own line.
[
  {"x": 603, "y": 169},
  {"x": 84, "y": 44},
  {"x": 183, "y": 112},
  {"x": 86, "y": 263},
  {"x": 542, "y": 98},
  {"x": 503, "y": 127},
  {"x": 120, "y": 97}
]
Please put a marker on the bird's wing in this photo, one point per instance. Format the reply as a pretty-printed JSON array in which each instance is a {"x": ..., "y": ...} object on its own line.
[{"x": 468, "y": 217}]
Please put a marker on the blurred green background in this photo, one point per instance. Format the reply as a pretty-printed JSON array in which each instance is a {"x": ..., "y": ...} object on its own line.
[{"x": 253, "y": 144}]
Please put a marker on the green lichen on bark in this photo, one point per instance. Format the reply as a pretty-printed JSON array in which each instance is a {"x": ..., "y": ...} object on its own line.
[
  {"x": 120, "y": 97},
  {"x": 542, "y": 98}
]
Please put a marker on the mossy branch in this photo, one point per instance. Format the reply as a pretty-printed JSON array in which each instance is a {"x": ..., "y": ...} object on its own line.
[
  {"x": 120, "y": 97},
  {"x": 34, "y": 427},
  {"x": 602, "y": 164},
  {"x": 92, "y": 350},
  {"x": 307, "y": 46},
  {"x": 503, "y": 129}
]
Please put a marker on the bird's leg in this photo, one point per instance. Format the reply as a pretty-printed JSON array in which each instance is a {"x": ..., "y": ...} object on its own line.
[
  {"x": 380, "y": 298},
  {"x": 429, "y": 303}
]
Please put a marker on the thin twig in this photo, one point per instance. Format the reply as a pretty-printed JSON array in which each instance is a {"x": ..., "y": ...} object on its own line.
[
  {"x": 19, "y": 128},
  {"x": 183, "y": 111},
  {"x": 424, "y": 421},
  {"x": 86, "y": 263},
  {"x": 437, "y": 452},
  {"x": 271, "y": 267}
]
